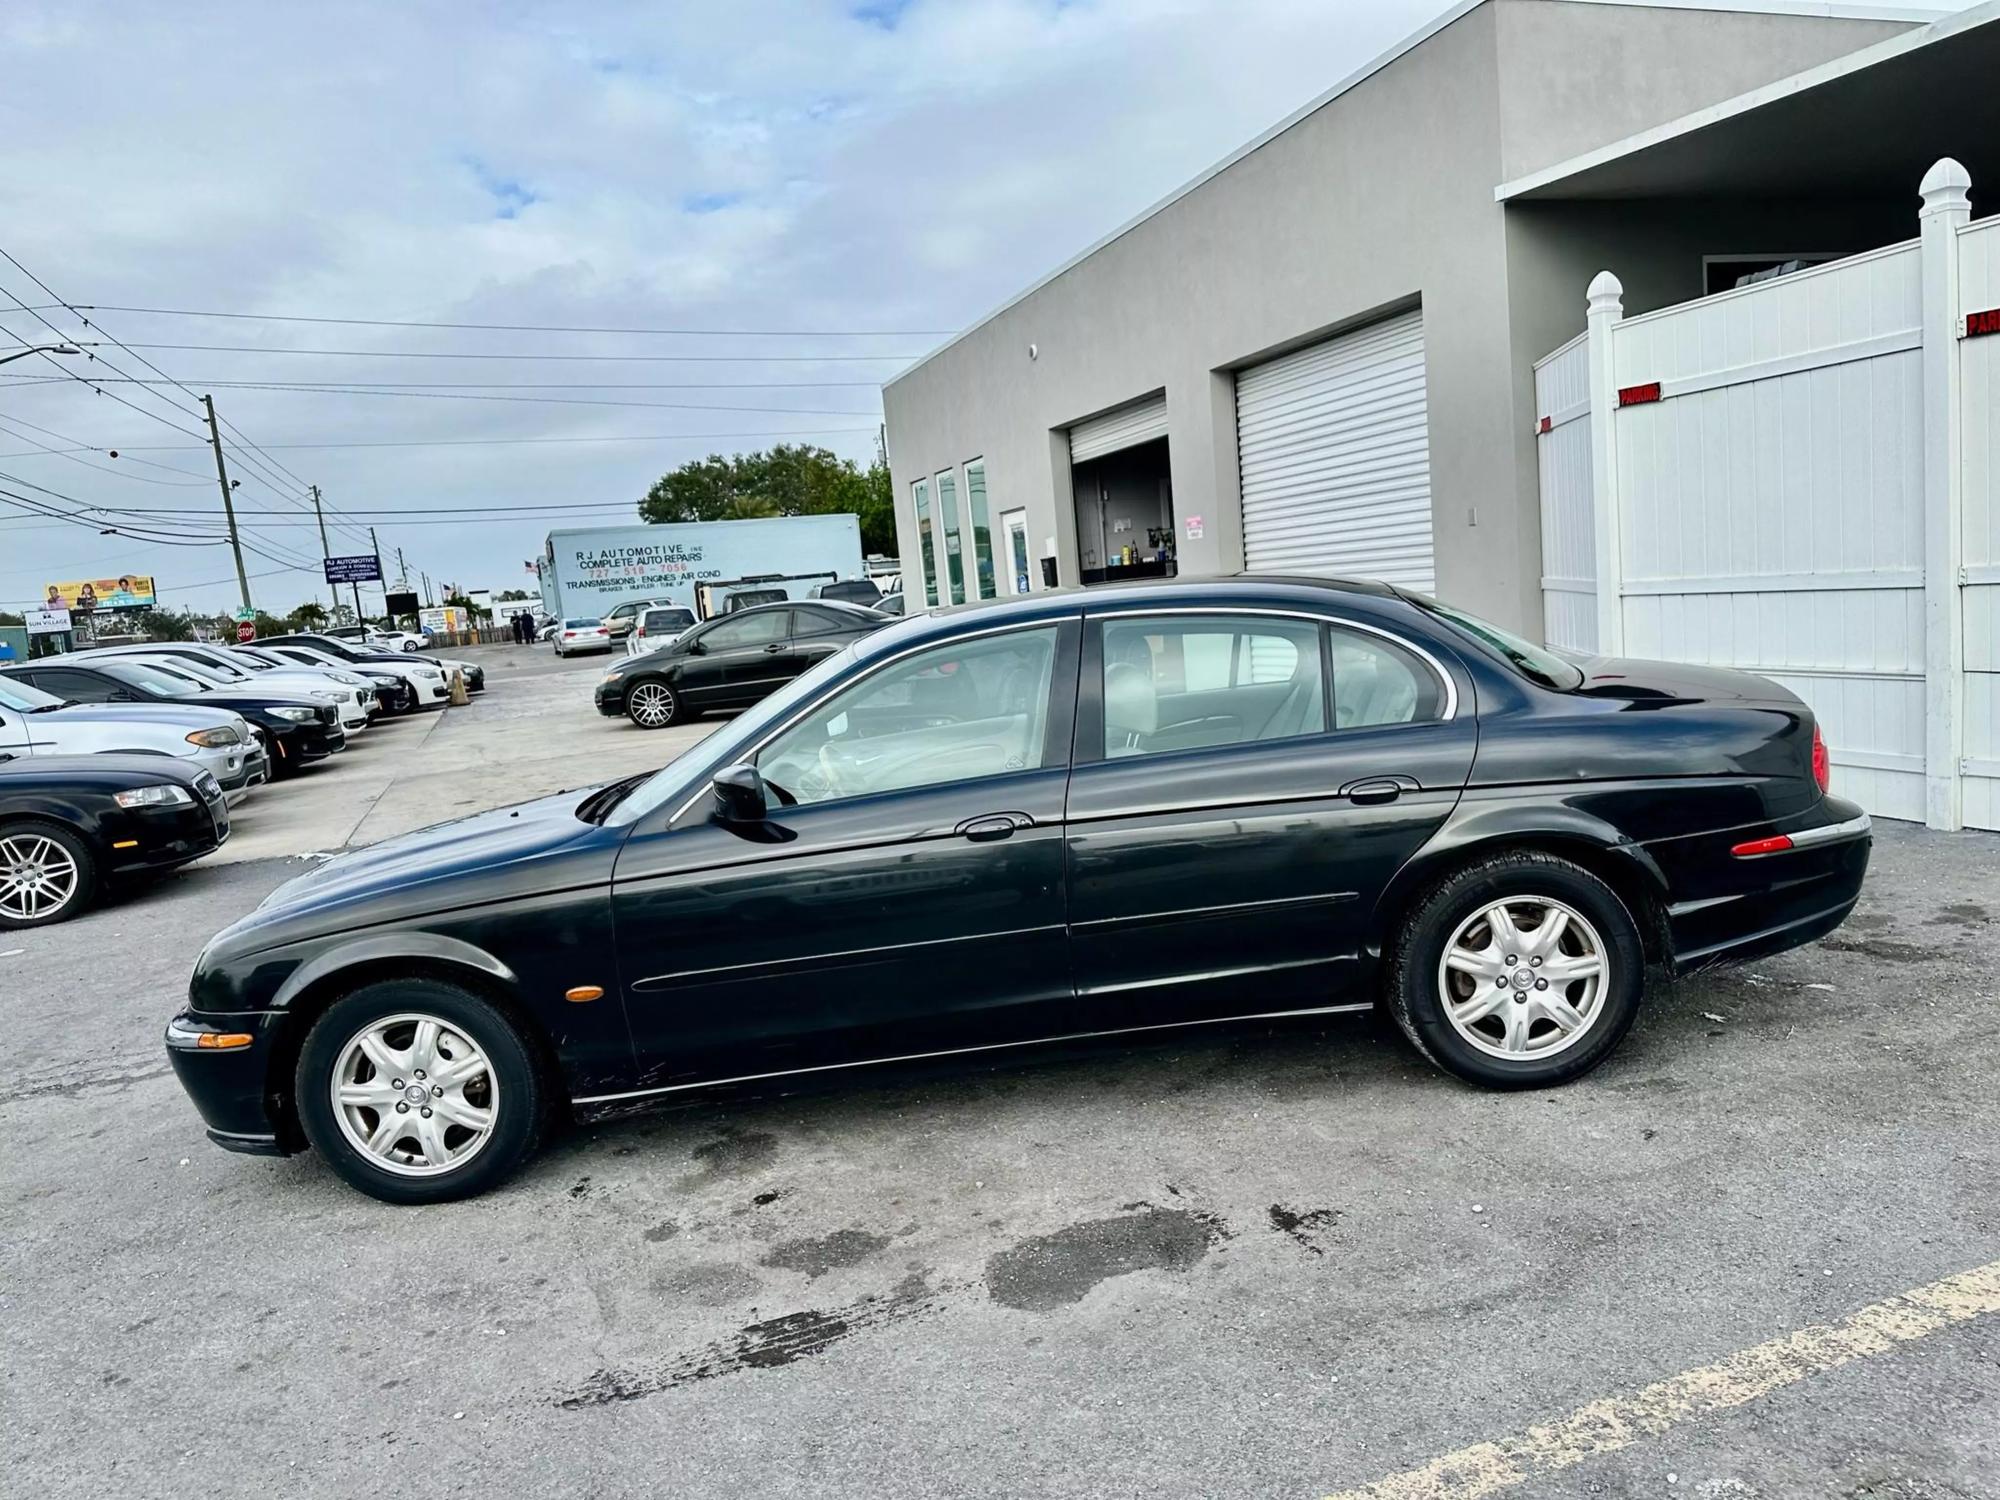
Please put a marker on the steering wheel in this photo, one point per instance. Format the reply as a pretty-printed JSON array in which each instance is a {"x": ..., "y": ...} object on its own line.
[{"x": 821, "y": 781}]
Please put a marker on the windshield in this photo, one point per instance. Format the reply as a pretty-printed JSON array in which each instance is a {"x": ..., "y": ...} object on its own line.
[
  {"x": 147, "y": 679},
  {"x": 172, "y": 671},
  {"x": 221, "y": 668},
  {"x": 1537, "y": 662},
  {"x": 339, "y": 650},
  {"x": 673, "y": 782},
  {"x": 207, "y": 673},
  {"x": 24, "y": 698}
]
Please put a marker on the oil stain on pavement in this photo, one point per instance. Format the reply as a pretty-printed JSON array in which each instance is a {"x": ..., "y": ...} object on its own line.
[
  {"x": 1053, "y": 1270},
  {"x": 816, "y": 1256}
]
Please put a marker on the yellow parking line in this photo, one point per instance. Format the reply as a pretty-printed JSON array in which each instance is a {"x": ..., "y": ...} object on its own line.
[{"x": 1617, "y": 1422}]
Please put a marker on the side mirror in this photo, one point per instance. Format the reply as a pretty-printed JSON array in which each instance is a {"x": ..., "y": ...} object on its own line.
[
  {"x": 696, "y": 648},
  {"x": 740, "y": 796}
]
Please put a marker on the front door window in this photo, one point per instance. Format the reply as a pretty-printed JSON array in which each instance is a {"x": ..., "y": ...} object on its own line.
[{"x": 960, "y": 712}]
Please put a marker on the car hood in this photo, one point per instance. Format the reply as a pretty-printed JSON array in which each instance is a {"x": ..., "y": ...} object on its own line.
[
  {"x": 443, "y": 865},
  {"x": 113, "y": 715}
]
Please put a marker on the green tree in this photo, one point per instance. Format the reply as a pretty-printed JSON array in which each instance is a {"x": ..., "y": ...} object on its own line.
[
  {"x": 310, "y": 615},
  {"x": 788, "y": 480}
]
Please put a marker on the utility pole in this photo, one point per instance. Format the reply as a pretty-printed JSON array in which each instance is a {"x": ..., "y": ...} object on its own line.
[
  {"x": 228, "y": 505},
  {"x": 376, "y": 548},
  {"x": 402, "y": 572},
  {"x": 324, "y": 550},
  {"x": 427, "y": 589}
]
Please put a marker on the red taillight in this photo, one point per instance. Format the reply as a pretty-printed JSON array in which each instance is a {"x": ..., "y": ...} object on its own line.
[
  {"x": 1776, "y": 845},
  {"x": 1822, "y": 766}
]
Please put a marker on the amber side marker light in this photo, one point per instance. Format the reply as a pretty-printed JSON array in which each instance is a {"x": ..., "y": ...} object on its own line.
[
  {"x": 126, "y": 844},
  {"x": 584, "y": 992},
  {"x": 1777, "y": 845},
  {"x": 224, "y": 1041}
]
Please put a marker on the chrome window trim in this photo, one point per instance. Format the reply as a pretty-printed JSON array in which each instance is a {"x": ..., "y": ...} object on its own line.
[
  {"x": 1053, "y": 622},
  {"x": 1421, "y": 652}
]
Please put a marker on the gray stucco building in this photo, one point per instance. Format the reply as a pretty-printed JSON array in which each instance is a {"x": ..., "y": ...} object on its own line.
[{"x": 1319, "y": 355}]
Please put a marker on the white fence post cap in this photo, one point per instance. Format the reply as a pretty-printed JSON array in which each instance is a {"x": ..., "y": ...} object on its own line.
[
  {"x": 1945, "y": 185},
  {"x": 1607, "y": 292}
]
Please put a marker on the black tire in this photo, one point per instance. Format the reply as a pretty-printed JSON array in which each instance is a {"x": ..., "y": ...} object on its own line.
[
  {"x": 519, "y": 1099},
  {"x": 652, "y": 704},
  {"x": 84, "y": 890},
  {"x": 1417, "y": 953}
]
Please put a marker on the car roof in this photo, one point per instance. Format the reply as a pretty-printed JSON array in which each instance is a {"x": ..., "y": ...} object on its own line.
[{"x": 1363, "y": 596}]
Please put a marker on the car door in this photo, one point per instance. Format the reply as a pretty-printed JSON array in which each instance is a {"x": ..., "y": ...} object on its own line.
[
  {"x": 1245, "y": 784},
  {"x": 741, "y": 657},
  {"x": 905, "y": 894},
  {"x": 72, "y": 685}
]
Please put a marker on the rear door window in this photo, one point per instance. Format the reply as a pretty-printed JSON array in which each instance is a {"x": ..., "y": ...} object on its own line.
[{"x": 1189, "y": 682}]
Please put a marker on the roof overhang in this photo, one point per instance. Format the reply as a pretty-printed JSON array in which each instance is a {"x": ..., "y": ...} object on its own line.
[{"x": 1863, "y": 125}]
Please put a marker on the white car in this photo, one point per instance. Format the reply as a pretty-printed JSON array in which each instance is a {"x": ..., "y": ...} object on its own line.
[
  {"x": 216, "y": 740},
  {"x": 211, "y": 666},
  {"x": 428, "y": 685},
  {"x": 578, "y": 636},
  {"x": 399, "y": 640},
  {"x": 658, "y": 625}
]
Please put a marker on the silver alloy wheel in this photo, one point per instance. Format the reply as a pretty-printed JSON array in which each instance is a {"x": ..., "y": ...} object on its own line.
[
  {"x": 414, "y": 1094},
  {"x": 652, "y": 704},
  {"x": 38, "y": 877},
  {"x": 1524, "y": 977}
]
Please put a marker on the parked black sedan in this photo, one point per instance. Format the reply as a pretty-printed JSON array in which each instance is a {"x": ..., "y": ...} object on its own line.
[
  {"x": 297, "y": 731},
  {"x": 1075, "y": 814},
  {"x": 730, "y": 661},
  {"x": 72, "y": 824}
]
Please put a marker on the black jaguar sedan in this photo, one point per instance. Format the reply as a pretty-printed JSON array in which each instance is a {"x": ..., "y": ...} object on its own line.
[
  {"x": 73, "y": 825},
  {"x": 730, "y": 661},
  {"x": 1072, "y": 815}
]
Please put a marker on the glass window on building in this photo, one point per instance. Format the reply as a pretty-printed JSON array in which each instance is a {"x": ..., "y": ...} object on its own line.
[
  {"x": 954, "y": 564},
  {"x": 921, "y": 492},
  {"x": 984, "y": 584}
]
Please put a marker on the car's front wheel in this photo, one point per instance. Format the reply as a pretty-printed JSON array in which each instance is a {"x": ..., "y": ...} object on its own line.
[
  {"x": 46, "y": 874},
  {"x": 1521, "y": 971},
  {"x": 419, "y": 1091},
  {"x": 651, "y": 704}
]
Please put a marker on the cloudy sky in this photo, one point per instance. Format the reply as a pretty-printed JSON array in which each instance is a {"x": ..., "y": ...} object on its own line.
[{"x": 846, "y": 179}]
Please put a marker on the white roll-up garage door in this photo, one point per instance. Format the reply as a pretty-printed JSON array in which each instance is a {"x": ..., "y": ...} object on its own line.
[
  {"x": 1126, "y": 427},
  {"x": 1335, "y": 455}
]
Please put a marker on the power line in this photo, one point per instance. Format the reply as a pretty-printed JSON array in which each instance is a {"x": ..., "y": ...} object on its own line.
[
  {"x": 414, "y": 395},
  {"x": 661, "y": 359},
  {"x": 505, "y": 385},
  {"x": 744, "y": 333},
  {"x": 8, "y": 425}
]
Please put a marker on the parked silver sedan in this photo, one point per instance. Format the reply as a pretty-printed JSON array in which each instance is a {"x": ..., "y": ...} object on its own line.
[{"x": 215, "y": 740}]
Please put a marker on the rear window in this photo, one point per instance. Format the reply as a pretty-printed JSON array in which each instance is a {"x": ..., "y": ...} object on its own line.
[
  {"x": 581, "y": 624},
  {"x": 668, "y": 619},
  {"x": 1531, "y": 661}
]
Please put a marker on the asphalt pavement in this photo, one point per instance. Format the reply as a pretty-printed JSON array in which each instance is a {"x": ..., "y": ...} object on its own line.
[{"x": 1757, "y": 1254}]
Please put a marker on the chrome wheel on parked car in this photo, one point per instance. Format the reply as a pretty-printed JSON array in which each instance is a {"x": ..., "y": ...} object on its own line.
[
  {"x": 651, "y": 705},
  {"x": 1523, "y": 977},
  {"x": 39, "y": 877},
  {"x": 415, "y": 1094}
]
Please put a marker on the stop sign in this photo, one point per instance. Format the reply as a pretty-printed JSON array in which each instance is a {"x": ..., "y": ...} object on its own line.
[{"x": 246, "y": 631}]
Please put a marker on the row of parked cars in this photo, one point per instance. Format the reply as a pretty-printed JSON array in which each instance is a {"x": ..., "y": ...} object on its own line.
[{"x": 125, "y": 761}]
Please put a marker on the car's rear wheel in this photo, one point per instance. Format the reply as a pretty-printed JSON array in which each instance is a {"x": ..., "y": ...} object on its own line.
[
  {"x": 1521, "y": 971},
  {"x": 46, "y": 874},
  {"x": 419, "y": 1091},
  {"x": 651, "y": 704}
]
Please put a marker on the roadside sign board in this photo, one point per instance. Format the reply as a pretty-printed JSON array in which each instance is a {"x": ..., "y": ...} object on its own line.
[
  {"x": 366, "y": 568},
  {"x": 244, "y": 612},
  {"x": 246, "y": 631},
  {"x": 46, "y": 621}
]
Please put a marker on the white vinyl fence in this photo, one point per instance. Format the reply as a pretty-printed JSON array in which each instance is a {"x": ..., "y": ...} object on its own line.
[{"x": 1802, "y": 479}]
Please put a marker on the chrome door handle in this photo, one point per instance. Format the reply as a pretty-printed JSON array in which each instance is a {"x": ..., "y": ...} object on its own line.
[
  {"x": 993, "y": 826},
  {"x": 1377, "y": 789},
  {"x": 775, "y": 646}
]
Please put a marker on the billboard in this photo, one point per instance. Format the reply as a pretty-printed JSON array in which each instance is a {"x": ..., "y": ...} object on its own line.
[
  {"x": 46, "y": 621},
  {"x": 129, "y": 591},
  {"x": 400, "y": 604},
  {"x": 366, "y": 568},
  {"x": 593, "y": 570}
]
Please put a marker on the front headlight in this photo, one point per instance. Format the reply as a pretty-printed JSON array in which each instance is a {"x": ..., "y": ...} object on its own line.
[
  {"x": 151, "y": 796},
  {"x": 296, "y": 715},
  {"x": 325, "y": 695},
  {"x": 210, "y": 739},
  {"x": 347, "y": 678}
]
